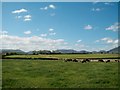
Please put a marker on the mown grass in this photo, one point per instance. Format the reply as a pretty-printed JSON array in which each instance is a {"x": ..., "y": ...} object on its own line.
[
  {"x": 66, "y": 56},
  {"x": 59, "y": 74}
]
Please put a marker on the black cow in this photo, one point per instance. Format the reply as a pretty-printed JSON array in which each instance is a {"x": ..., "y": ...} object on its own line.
[
  {"x": 83, "y": 61},
  {"x": 100, "y": 60},
  {"x": 107, "y": 61},
  {"x": 87, "y": 60},
  {"x": 74, "y": 60},
  {"x": 116, "y": 60},
  {"x": 67, "y": 60}
]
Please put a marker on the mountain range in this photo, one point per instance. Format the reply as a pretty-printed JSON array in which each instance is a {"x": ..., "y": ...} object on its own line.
[{"x": 114, "y": 50}]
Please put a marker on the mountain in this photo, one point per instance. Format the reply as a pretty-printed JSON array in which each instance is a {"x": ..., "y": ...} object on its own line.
[
  {"x": 12, "y": 51},
  {"x": 83, "y": 51},
  {"x": 30, "y": 52},
  {"x": 102, "y": 51},
  {"x": 71, "y": 51},
  {"x": 115, "y": 50},
  {"x": 18, "y": 51},
  {"x": 66, "y": 51}
]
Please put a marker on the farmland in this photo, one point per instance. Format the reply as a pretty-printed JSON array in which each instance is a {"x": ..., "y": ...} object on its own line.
[{"x": 59, "y": 74}]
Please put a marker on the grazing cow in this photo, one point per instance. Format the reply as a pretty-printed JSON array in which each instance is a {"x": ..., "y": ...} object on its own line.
[
  {"x": 87, "y": 60},
  {"x": 107, "y": 61},
  {"x": 100, "y": 60},
  {"x": 67, "y": 60},
  {"x": 83, "y": 60},
  {"x": 116, "y": 60},
  {"x": 74, "y": 60}
]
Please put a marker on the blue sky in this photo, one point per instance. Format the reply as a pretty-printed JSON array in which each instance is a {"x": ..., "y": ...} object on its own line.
[{"x": 60, "y": 25}]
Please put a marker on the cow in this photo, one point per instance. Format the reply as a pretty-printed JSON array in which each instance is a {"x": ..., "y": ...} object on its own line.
[
  {"x": 107, "y": 61},
  {"x": 100, "y": 60},
  {"x": 83, "y": 60},
  {"x": 74, "y": 60},
  {"x": 116, "y": 60},
  {"x": 67, "y": 60},
  {"x": 87, "y": 60}
]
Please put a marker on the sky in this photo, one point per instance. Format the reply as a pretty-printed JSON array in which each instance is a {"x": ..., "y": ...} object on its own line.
[{"x": 90, "y": 26}]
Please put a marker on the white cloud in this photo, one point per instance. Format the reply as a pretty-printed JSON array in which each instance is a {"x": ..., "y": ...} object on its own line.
[
  {"x": 108, "y": 40},
  {"x": 88, "y": 27},
  {"x": 79, "y": 41},
  {"x": 31, "y": 43},
  {"x": 52, "y": 6},
  {"x": 108, "y": 3},
  {"x": 43, "y": 35},
  {"x": 95, "y": 1},
  {"x": 51, "y": 29},
  {"x": 104, "y": 39},
  {"x": 3, "y": 32},
  {"x": 116, "y": 41},
  {"x": 44, "y": 8},
  {"x": 96, "y": 9},
  {"x": 52, "y": 33},
  {"x": 107, "y": 43},
  {"x": 19, "y": 11},
  {"x": 27, "y": 18},
  {"x": 27, "y": 32},
  {"x": 113, "y": 27}
]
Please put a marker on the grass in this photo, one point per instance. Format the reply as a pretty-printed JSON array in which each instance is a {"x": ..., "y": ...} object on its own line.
[
  {"x": 59, "y": 74},
  {"x": 66, "y": 56}
]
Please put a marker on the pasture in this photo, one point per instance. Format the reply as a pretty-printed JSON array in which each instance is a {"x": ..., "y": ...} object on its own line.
[
  {"x": 61, "y": 56},
  {"x": 58, "y": 74}
]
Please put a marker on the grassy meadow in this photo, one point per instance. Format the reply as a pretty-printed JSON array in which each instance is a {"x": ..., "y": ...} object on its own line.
[
  {"x": 58, "y": 74},
  {"x": 66, "y": 56}
]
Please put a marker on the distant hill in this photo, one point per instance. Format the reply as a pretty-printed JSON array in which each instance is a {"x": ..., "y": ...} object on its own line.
[
  {"x": 12, "y": 51},
  {"x": 71, "y": 51},
  {"x": 115, "y": 50},
  {"x": 66, "y": 51},
  {"x": 83, "y": 51},
  {"x": 18, "y": 51}
]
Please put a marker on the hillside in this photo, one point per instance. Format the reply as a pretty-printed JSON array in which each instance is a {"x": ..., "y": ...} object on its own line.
[
  {"x": 12, "y": 51},
  {"x": 115, "y": 50}
]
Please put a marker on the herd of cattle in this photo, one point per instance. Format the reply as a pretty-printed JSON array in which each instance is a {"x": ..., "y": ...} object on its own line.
[{"x": 88, "y": 60}]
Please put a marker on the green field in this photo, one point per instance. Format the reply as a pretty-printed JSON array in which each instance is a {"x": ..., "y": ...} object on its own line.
[
  {"x": 66, "y": 56},
  {"x": 55, "y": 74}
]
